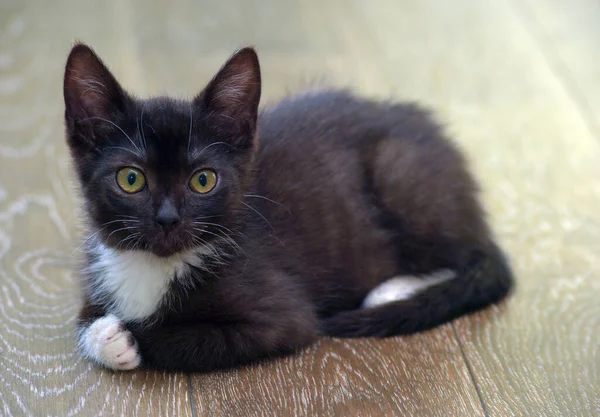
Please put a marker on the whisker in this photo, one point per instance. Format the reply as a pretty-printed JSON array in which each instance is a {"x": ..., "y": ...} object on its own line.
[
  {"x": 196, "y": 155},
  {"x": 231, "y": 232},
  {"x": 122, "y": 131},
  {"x": 136, "y": 243},
  {"x": 93, "y": 235},
  {"x": 191, "y": 124},
  {"x": 131, "y": 241},
  {"x": 142, "y": 126},
  {"x": 119, "y": 230},
  {"x": 257, "y": 212},
  {"x": 268, "y": 199},
  {"x": 213, "y": 224},
  {"x": 117, "y": 221},
  {"x": 87, "y": 239},
  {"x": 128, "y": 238},
  {"x": 209, "y": 232},
  {"x": 121, "y": 149},
  {"x": 223, "y": 237},
  {"x": 197, "y": 241},
  {"x": 150, "y": 126},
  {"x": 208, "y": 217}
]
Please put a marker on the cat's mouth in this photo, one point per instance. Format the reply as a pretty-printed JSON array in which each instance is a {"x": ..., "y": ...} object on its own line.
[
  {"x": 168, "y": 244},
  {"x": 165, "y": 251},
  {"x": 160, "y": 242},
  {"x": 165, "y": 244}
]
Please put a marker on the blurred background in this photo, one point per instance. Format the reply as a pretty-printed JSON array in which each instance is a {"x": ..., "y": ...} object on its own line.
[{"x": 516, "y": 82}]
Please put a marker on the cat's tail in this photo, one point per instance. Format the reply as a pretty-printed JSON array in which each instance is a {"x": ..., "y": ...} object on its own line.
[{"x": 484, "y": 280}]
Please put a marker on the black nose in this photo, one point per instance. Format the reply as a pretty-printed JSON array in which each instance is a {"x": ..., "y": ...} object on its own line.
[{"x": 167, "y": 215}]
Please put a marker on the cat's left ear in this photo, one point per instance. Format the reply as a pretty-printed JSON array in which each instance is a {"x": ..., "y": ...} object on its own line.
[
  {"x": 93, "y": 98},
  {"x": 234, "y": 93}
]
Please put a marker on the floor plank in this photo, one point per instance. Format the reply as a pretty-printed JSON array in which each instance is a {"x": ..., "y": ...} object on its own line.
[
  {"x": 42, "y": 375},
  {"x": 489, "y": 69},
  {"x": 538, "y": 163},
  {"x": 422, "y": 375}
]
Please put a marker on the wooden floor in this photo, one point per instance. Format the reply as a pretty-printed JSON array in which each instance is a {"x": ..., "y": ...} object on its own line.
[{"x": 517, "y": 82}]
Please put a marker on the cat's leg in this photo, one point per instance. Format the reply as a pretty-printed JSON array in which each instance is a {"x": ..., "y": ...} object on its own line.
[
  {"x": 104, "y": 340},
  {"x": 426, "y": 196},
  {"x": 428, "y": 201},
  {"x": 254, "y": 323}
]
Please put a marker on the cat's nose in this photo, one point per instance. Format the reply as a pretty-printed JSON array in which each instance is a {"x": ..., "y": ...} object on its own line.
[{"x": 167, "y": 215}]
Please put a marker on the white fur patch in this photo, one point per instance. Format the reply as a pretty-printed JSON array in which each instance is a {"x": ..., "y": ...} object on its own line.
[
  {"x": 107, "y": 342},
  {"x": 404, "y": 287},
  {"x": 133, "y": 284}
]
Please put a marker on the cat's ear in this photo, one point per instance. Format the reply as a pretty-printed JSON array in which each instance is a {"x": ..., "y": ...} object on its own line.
[
  {"x": 93, "y": 97},
  {"x": 234, "y": 93}
]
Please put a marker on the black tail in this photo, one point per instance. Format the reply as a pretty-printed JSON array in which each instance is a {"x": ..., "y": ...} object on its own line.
[{"x": 484, "y": 280}]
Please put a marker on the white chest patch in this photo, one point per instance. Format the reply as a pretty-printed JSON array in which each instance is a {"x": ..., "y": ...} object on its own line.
[
  {"x": 134, "y": 283},
  {"x": 404, "y": 287}
]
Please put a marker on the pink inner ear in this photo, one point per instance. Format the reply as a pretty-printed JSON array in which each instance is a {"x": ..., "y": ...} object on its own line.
[
  {"x": 91, "y": 85},
  {"x": 90, "y": 88},
  {"x": 93, "y": 95},
  {"x": 233, "y": 90},
  {"x": 88, "y": 97}
]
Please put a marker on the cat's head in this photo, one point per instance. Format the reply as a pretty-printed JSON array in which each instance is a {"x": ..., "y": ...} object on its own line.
[{"x": 161, "y": 175}]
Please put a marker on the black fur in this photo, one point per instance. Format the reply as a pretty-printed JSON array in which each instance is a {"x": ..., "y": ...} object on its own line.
[{"x": 324, "y": 196}]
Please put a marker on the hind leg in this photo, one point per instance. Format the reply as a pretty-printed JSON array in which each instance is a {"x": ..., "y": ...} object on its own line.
[{"x": 428, "y": 199}]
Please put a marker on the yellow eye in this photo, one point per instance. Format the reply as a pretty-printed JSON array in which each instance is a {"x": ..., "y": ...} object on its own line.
[
  {"x": 130, "y": 180},
  {"x": 203, "y": 181}
]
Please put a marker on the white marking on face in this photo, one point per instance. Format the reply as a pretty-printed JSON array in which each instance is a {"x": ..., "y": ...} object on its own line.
[
  {"x": 404, "y": 287},
  {"x": 133, "y": 284},
  {"x": 106, "y": 342}
]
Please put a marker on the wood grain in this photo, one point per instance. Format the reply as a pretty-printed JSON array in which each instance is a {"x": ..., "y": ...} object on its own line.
[
  {"x": 422, "y": 375},
  {"x": 515, "y": 81},
  {"x": 536, "y": 155},
  {"x": 41, "y": 374},
  {"x": 538, "y": 161}
]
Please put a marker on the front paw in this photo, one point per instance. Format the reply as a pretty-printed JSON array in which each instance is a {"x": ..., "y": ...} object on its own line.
[{"x": 107, "y": 342}]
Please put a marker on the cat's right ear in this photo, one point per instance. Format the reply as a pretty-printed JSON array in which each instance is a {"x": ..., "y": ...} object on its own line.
[
  {"x": 93, "y": 98},
  {"x": 232, "y": 96}
]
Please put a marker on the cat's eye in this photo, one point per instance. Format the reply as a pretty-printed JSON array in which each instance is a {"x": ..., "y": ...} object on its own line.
[
  {"x": 131, "y": 180},
  {"x": 203, "y": 181}
]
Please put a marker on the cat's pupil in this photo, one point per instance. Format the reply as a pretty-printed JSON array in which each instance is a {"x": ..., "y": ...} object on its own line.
[
  {"x": 131, "y": 178},
  {"x": 203, "y": 180}
]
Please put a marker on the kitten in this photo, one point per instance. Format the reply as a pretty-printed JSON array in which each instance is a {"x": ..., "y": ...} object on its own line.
[{"x": 221, "y": 236}]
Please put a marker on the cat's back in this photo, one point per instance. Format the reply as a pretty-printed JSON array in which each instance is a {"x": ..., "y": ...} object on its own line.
[
  {"x": 331, "y": 132},
  {"x": 338, "y": 116}
]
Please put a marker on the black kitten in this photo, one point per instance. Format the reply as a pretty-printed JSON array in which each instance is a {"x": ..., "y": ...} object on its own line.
[{"x": 211, "y": 248}]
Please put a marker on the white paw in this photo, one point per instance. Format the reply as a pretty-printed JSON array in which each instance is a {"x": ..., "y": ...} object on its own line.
[
  {"x": 106, "y": 341},
  {"x": 404, "y": 287}
]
